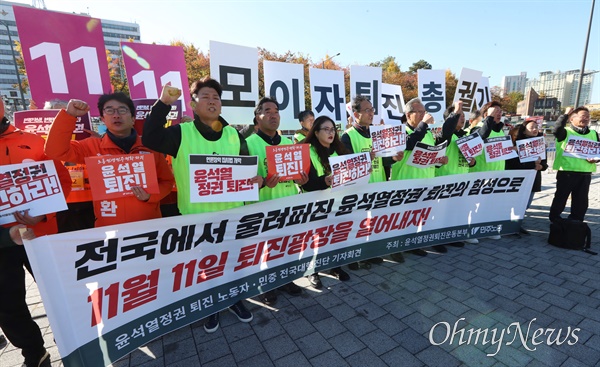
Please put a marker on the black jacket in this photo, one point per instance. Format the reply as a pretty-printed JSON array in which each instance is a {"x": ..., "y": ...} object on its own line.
[{"x": 514, "y": 163}]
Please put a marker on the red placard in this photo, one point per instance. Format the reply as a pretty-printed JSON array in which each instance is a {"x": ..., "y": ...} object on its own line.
[
  {"x": 112, "y": 176},
  {"x": 288, "y": 161},
  {"x": 64, "y": 56},
  {"x": 149, "y": 67}
]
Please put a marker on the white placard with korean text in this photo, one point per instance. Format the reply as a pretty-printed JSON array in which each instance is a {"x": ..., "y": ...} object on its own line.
[
  {"x": 483, "y": 94},
  {"x": 236, "y": 68},
  {"x": 499, "y": 148},
  {"x": 470, "y": 146},
  {"x": 466, "y": 89},
  {"x": 222, "y": 178},
  {"x": 432, "y": 92},
  {"x": 33, "y": 187},
  {"x": 285, "y": 82},
  {"x": 424, "y": 155},
  {"x": 392, "y": 104},
  {"x": 327, "y": 94},
  {"x": 582, "y": 148},
  {"x": 350, "y": 170},
  {"x": 531, "y": 149},
  {"x": 366, "y": 81},
  {"x": 108, "y": 291},
  {"x": 388, "y": 140}
]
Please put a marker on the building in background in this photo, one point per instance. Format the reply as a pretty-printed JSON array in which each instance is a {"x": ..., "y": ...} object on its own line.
[
  {"x": 514, "y": 83},
  {"x": 114, "y": 31},
  {"x": 563, "y": 86}
]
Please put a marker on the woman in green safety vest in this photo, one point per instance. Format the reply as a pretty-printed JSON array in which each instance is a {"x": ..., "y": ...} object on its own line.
[{"x": 324, "y": 143}]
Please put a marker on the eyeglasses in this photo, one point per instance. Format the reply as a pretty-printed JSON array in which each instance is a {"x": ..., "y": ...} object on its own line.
[
  {"x": 120, "y": 110},
  {"x": 368, "y": 110},
  {"x": 419, "y": 112},
  {"x": 328, "y": 130}
]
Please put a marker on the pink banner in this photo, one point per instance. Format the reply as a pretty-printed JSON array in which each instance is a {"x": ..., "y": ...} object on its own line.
[
  {"x": 149, "y": 67},
  {"x": 64, "y": 56},
  {"x": 38, "y": 122}
]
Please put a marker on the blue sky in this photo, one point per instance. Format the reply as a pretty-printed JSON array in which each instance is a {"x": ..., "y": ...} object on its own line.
[{"x": 497, "y": 37}]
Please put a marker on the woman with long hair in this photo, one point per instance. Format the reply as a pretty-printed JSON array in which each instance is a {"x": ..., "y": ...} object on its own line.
[
  {"x": 527, "y": 130},
  {"x": 324, "y": 143}
]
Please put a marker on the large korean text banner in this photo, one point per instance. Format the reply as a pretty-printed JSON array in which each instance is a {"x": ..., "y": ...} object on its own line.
[{"x": 110, "y": 290}]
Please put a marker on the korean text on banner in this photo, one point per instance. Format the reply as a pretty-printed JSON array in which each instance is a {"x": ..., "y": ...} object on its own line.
[
  {"x": 582, "y": 148},
  {"x": 32, "y": 186},
  {"x": 221, "y": 178},
  {"x": 531, "y": 149},
  {"x": 350, "y": 170},
  {"x": 424, "y": 155},
  {"x": 388, "y": 140},
  {"x": 499, "y": 149},
  {"x": 129, "y": 284},
  {"x": 112, "y": 176},
  {"x": 288, "y": 161}
]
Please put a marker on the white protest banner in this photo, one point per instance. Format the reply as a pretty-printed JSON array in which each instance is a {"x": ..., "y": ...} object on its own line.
[
  {"x": 350, "y": 170},
  {"x": 108, "y": 291},
  {"x": 470, "y": 146},
  {"x": 499, "y": 148},
  {"x": 222, "y": 178},
  {"x": 327, "y": 94},
  {"x": 531, "y": 149},
  {"x": 388, "y": 140},
  {"x": 30, "y": 186},
  {"x": 582, "y": 148},
  {"x": 466, "y": 89},
  {"x": 392, "y": 104},
  {"x": 483, "y": 94},
  {"x": 424, "y": 155},
  {"x": 285, "y": 82},
  {"x": 432, "y": 92},
  {"x": 366, "y": 81},
  {"x": 236, "y": 68}
]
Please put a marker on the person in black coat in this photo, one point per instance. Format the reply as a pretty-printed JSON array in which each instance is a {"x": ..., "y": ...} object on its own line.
[{"x": 527, "y": 130}]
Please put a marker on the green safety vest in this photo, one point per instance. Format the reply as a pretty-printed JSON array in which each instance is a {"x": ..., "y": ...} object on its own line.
[
  {"x": 258, "y": 147},
  {"x": 361, "y": 144},
  {"x": 562, "y": 163},
  {"x": 457, "y": 163},
  {"x": 192, "y": 142},
  {"x": 482, "y": 165},
  {"x": 402, "y": 171},
  {"x": 314, "y": 160},
  {"x": 299, "y": 137}
]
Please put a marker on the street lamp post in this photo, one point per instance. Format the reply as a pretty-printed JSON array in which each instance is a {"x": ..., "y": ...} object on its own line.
[
  {"x": 12, "y": 51},
  {"x": 582, "y": 71},
  {"x": 329, "y": 58}
]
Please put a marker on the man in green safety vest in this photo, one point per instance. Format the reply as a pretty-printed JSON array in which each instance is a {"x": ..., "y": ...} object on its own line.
[{"x": 268, "y": 119}]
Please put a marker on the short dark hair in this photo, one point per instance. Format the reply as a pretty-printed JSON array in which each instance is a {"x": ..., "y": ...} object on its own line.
[
  {"x": 205, "y": 82},
  {"x": 357, "y": 101},
  {"x": 448, "y": 111},
  {"x": 263, "y": 100},
  {"x": 304, "y": 114},
  {"x": 119, "y": 97},
  {"x": 577, "y": 110}
]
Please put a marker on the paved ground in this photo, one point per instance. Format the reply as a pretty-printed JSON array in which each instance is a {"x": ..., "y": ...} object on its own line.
[{"x": 384, "y": 316}]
